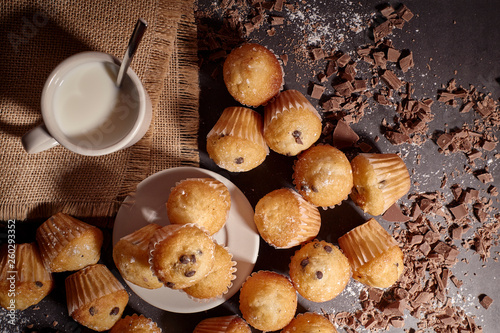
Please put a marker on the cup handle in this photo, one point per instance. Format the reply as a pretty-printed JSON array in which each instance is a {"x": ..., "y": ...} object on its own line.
[{"x": 38, "y": 139}]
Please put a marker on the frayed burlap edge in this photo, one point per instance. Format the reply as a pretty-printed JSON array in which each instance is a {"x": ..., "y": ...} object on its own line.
[{"x": 175, "y": 26}]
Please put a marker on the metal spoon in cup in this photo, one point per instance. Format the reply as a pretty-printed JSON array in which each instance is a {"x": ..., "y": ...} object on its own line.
[{"x": 135, "y": 39}]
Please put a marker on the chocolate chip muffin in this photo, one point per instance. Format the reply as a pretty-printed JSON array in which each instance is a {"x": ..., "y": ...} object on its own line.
[
  {"x": 310, "y": 322},
  {"x": 95, "y": 298},
  {"x": 374, "y": 255},
  {"x": 226, "y": 324},
  {"x": 319, "y": 271},
  {"x": 236, "y": 142},
  {"x": 68, "y": 244},
  {"x": 291, "y": 123},
  {"x": 323, "y": 175},
  {"x": 379, "y": 181},
  {"x": 181, "y": 255},
  {"x": 252, "y": 74},
  {"x": 268, "y": 301},
  {"x": 203, "y": 201},
  {"x": 135, "y": 324},
  {"x": 32, "y": 281},
  {"x": 219, "y": 280},
  {"x": 131, "y": 257},
  {"x": 284, "y": 219}
]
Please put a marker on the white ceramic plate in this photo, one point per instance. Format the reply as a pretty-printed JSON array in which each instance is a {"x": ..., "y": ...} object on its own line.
[{"x": 147, "y": 205}]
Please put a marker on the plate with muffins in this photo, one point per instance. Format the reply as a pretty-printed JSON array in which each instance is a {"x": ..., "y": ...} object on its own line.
[{"x": 185, "y": 240}]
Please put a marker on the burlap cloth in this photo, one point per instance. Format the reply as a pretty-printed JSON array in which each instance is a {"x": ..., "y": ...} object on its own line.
[{"x": 36, "y": 36}]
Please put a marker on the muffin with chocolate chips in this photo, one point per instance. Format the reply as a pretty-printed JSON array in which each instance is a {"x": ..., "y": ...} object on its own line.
[
  {"x": 68, "y": 244},
  {"x": 95, "y": 298},
  {"x": 319, "y": 271},
  {"x": 379, "y": 181},
  {"x": 135, "y": 324},
  {"x": 131, "y": 257},
  {"x": 220, "y": 278},
  {"x": 374, "y": 255},
  {"x": 252, "y": 74},
  {"x": 323, "y": 175},
  {"x": 236, "y": 142},
  {"x": 32, "y": 282},
  {"x": 291, "y": 123},
  {"x": 268, "y": 300},
  {"x": 284, "y": 219},
  {"x": 310, "y": 322},
  {"x": 203, "y": 201},
  {"x": 181, "y": 255},
  {"x": 225, "y": 324}
]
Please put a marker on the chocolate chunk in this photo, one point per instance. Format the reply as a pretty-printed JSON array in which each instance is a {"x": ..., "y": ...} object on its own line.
[
  {"x": 484, "y": 177},
  {"x": 459, "y": 211},
  {"x": 304, "y": 262},
  {"x": 189, "y": 273},
  {"x": 343, "y": 60},
  {"x": 406, "y": 62},
  {"x": 317, "y": 91},
  {"x": 39, "y": 284},
  {"x": 170, "y": 284},
  {"x": 344, "y": 136},
  {"x": 114, "y": 311},
  {"x": 318, "y": 53},
  {"x": 485, "y": 301},
  {"x": 319, "y": 275},
  {"x": 328, "y": 248},
  {"x": 391, "y": 80},
  {"x": 239, "y": 160},
  {"x": 344, "y": 88},
  {"x": 394, "y": 214},
  {"x": 185, "y": 259},
  {"x": 92, "y": 311},
  {"x": 296, "y": 134}
]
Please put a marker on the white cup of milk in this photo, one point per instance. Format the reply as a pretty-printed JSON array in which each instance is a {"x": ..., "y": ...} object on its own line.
[{"x": 84, "y": 110}]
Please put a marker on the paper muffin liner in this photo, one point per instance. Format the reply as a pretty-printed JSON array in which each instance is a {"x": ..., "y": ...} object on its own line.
[
  {"x": 241, "y": 122},
  {"x": 310, "y": 219},
  {"x": 29, "y": 265},
  {"x": 365, "y": 242},
  {"x": 217, "y": 185},
  {"x": 162, "y": 234},
  {"x": 142, "y": 237},
  {"x": 390, "y": 170},
  {"x": 56, "y": 233},
  {"x": 216, "y": 324},
  {"x": 89, "y": 284},
  {"x": 232, "y": 271},
  {"x": 286, "y": 101}
]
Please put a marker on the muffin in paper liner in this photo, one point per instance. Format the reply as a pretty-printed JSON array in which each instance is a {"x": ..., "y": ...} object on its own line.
[
  {"x": 379, "y": 181},
  {"x": 268, "y": 300},
  {"x": 253, "y": 74},
  {"x": 203, "y": 201},
  {"x": 285, "y": 219},
  {"x": 131, "y": 257},
  {"x": 236, "y": 142},
  {"x": 291, "y": 123},
  {"x": 225, "y": 324},
  {"x": 21, "y": 266},
  {"x": 95, "y": 298},
  {"x": 180, "y": 255},
  {"x": 135, "y": 324},
  {"x": 322, "y": 174},
  {"x": 220, "y": 279},
  {"x": 68, "y": 244},
  {"x": 310, "y": 322},
  {"x": 374, "y": 256},
  {"x": 319, "y": 271}
]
